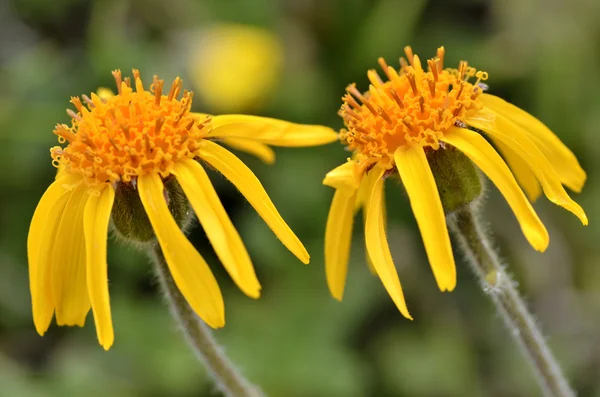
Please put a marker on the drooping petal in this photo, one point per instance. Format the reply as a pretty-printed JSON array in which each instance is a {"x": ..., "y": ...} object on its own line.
[
  {"x": 377, "y": 245},
  {"x": 218, "y": 227},
  {"x": 427, "y": 207},
  {"x": 566, "y": 165},
  {"x": 338, "y": 237},
  {"x": 345, "y": 176},
  {"x": 270, "y": 131},
  {"x": 362, "y": 199},
  {"x": 96, "y": 217},
  {"x": 190, "y": 272},
  {"x": 68, "y": 263},
  {"x": 485, "y": 157},
  {"x": 521, "y": 171},
  {"x": 516, "y": 139},
  {"x": 260, "y": 150},
  {"x": 251, "y": 188},
  {"x": 40, "y": 242}
]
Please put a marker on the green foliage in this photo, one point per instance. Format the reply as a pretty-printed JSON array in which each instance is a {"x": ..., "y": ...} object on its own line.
[{"x": 296, "y": 340}]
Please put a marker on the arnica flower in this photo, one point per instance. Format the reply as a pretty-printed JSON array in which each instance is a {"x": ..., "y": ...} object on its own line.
[
  {"x": 141, "y": 145},
  {"x": 234, "y": 67},
  {"x": 399, "y": 124}
]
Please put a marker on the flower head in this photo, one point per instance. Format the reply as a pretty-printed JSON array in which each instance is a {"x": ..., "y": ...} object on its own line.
[
  {"x": 399, "y": 125},
  {"x": 138, "y": 150}
]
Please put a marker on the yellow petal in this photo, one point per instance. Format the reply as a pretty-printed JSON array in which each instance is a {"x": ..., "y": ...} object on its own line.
[
  {"x": 251, "y": 188},
  {"x": 68, "y": 262},
  {"x": 516, "y": 139},
  {"x": 338, "y": 237},
  {"x": 257, "y": 149},
  {"x": 521, "y": 171},
  {"x": 40, "y": 242},
  {"x": 218, "y": 227},
  {"x": 96, "y": 217},
  {"x": 190, "y": 272},
  {"x": 566, "y": 165},
  {"x": 485, "y": 157},
  {"x": 270, "y": 131},
  {"x": 362, "y": 198},
  {"x": 345, "y": 176},
  {"x": 427, "y": 207},
  {"x": 377, "y": 245}
]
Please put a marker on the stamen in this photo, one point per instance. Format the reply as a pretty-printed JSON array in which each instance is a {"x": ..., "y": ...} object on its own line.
[
  {"x": 127, "y": 81},
  {"x": 158, "y": 87},
  {"x": 431, "y": 83},
  {"x": 384, "y": 115},
  {"x": 352, "y": 113},
  {"x": 409, "y": 54},
  {"x": 433, "y": 68},
  {"x": 352, "y": 90},
  {"x": 406, "y": 122},
  {"x": 440, "y": 56},
  {"x": 76, "y": 102},
  {"x": 73, "y": 115},
  {"x": 63, "y": 131},
  {"x": 175, "y": 88},
  {"x": 421, "y": 103},
  {"x": 117, "y": 75},
  {"x": 139, "y": 87},
  {"x": 374, "y": 77},
  {"x": 88, "y": 101},
  {"x": 403, "y": 64},
  {"x": 350, "y": 99},
  {"x": 384, "y": 67},
  {"x": 413, "y": 84},
  {"x": 392, "y": 92}
]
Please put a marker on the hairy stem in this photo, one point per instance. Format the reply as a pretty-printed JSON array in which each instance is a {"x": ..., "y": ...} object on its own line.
[
  {"x": 199, "y": 336},
  {"x": 502, "y": 290}
]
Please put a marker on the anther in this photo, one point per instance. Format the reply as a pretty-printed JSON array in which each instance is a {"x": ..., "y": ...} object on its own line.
[
  {"x": 457, "y": 110},
  {"x": 350, "y": 99},
  {"x": 88, "y": 101},
  {"x": 115, "y": 144},
  {"x": 63, "y": 131},
  {"x": 403, "y": 64},
  {"x": 139, "y": 87},
  {"x": 158, "y": 124},
  {"x": 413, "y": 84},
  {"x": 158, "y": 87},
  {"x": 440, "y": 58},
  {"x": 431, "y": 83},
  {"x": 175, "y": 88},
  {"x": 76, "y": 102},
  {"x": 392, "y": 93},
  {"x": 421, "y": 103},
  {"x": 407, "y": 123},
  {"x": 127, "y": 82},
  {"x": 352, "y": 90},
  {"x": 433, "y": 68},
  {"x": 384, "y": 67},
  {"x": 409, "y": 54},
  {"x": 384, "y": 115},
  {"x": 86, "y": 139},
  {"x": 117, "y": 75},
  {"x": 73, "y": 115},
  {"x": 352, "y": 113}
]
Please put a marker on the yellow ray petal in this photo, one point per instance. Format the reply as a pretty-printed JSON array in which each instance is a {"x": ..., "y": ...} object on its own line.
[
  {"x": 516, "y": 139},
  {"x": 338, "y": 237},
  {"x": 345, "y": 176},
  {"x": 68, "y": 263},
  {"x": 40, "y": 242},
  {"x": 96, "y": 217},
  {"x": 427, "y": 207},
  {"x": 485, "y": 157},
  {"x": 190, "y": 272},
  {"x": 251, "y": 188},
  {"x": 566, "y": 165},
  {"x": 270, "y": 131},
  {"x": 257, "y": 149},
  {"x": 521, "y": 171},
  {"x": 362, "y": 196},
  {"x": 218, "y": 227},
  {"x": 377, "y": 245}
]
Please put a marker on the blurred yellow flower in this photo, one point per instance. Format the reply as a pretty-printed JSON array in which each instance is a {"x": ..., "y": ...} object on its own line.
[
  {"x": 144, "y": 141},
  {"x": 235, "y": 67},
  {"x": 397, "y": 124}
]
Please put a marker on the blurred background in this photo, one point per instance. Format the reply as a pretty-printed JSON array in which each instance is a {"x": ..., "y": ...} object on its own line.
[{"x": 292, "y": 59}]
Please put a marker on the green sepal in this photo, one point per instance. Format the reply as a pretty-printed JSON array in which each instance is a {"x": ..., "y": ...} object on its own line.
[{"x": 129, "y": 218}]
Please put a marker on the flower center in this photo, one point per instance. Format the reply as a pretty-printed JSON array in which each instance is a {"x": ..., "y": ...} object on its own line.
[
  {"x": 120, "y": 137},
  {"x": 413, "y": 107}
]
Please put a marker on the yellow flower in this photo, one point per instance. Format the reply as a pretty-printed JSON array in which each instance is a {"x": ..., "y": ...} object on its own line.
[
  {"x": 144, "y": 140},
  {"x": 235, "y": 66},
  {"x": 397, "y": 124}
]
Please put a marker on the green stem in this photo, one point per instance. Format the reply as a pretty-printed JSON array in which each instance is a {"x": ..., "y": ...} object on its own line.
[
  {"x": 502, "y": 290},
  {"x": 199, "y": 336}
]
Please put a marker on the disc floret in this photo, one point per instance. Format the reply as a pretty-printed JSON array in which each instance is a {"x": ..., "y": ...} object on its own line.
[
  {"x": 133, "y": 133},
  {"x": 413, "y": 106}
]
